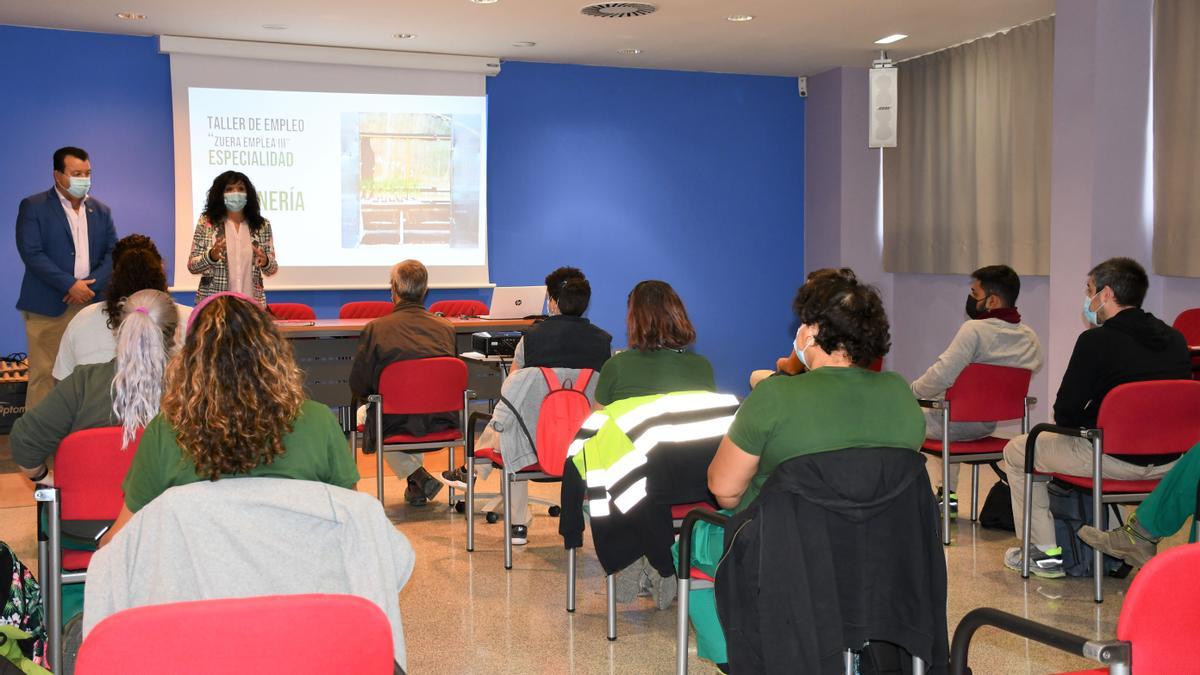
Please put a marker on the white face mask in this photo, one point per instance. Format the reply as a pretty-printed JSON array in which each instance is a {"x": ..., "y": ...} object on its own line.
[{"x": 800, "y": 349}]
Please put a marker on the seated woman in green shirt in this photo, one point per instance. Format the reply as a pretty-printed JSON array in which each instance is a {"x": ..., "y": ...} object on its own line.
[
  {"x": 837, "y": 404},
  {"x": 656, "y": 362},
  {"x": 125, "y": 391},
  {"x": 234, "y": 406}
]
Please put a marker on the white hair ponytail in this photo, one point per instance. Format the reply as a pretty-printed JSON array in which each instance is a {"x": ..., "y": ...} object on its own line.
[{"x": 145, "y": 341}]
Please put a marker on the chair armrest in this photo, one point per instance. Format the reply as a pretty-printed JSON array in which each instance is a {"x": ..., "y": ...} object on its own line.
[
  {"x": 1039, "y": 429},
  {"x": 469, "y": 432},
  {"x": 933, "y": 403},
  {"x": 1107, "y": 653},
  {"x": 685, "y": 536}
]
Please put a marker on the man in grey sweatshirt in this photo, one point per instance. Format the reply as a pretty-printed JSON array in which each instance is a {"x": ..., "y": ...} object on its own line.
[{"x": 993, "y": 335}]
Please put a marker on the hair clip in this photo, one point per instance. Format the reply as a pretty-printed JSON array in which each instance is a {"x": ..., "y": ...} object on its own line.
[{"x": 142, "y": 310}]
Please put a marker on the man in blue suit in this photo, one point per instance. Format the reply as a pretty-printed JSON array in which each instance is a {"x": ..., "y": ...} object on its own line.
[{"x": 65, "y": 239}]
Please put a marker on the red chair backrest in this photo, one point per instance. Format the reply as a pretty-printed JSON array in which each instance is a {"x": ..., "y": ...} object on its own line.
[
  {"x": 459, "y": 307},
  {"x": 365, "y": 309},
  {"x": 876, "y": 365},
  {"x": 1156, "y": 417},
  {"x": 295, "y": 634},
  {"x": 292, "y": 311},
  {"x": 562, "y": 412},
  {"x": 1161, "y": 613},
  {"x": 423, "y": 386},
  {"x": 1188, "y": 323},
  {"x": 986, "y": 393},
  {"x": 89, "y": 468}
]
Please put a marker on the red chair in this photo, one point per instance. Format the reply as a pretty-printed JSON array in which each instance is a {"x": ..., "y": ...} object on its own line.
[
  {"x": 295, "y": 634},
  {"x": 1158, "y": 622},
  {"x": 1188, "y": 323},
  {"x": 459, "y": 308},
  {"x": 292, "y": 311},
  {"x": 420, "y": 387},
  {"x": 981, "y": 393},
  {"x": 89, "y": 467},
  {"x": 1157, "y": 417},
  {"x": 366, "y": 309}
]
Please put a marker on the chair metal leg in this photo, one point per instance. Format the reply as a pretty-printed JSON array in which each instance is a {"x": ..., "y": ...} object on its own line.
[
  {"x": 451, "y": 467},
  {"x": 974, "y": 492},
  {"x": 918, "y": 666},
  {"x": 611, "y": 582},
  {"x": 379, "y": 475},
  {"x": 51, "y": 577},
  {"x": 506, "y": 488},
  {"x": 470, "y": 511},
  {"x": 681, "y": 628},
  {"x": 377, "y": 401},
  {"x": 946, "y": 474},
  {"x": 1097, "y": 510},
  {"x": 848, "y": 656},
  {"x": 571, "y": 579},
  {"x": 1026, "y": 523}
]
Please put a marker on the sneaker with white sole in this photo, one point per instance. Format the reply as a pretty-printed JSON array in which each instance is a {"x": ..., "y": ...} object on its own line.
[
  {"x": 520, "y": 535},
  {"x": 1045, "y": 564}
]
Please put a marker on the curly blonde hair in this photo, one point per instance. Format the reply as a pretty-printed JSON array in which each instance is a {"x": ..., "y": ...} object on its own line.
[{"x": 234, "y": 389}]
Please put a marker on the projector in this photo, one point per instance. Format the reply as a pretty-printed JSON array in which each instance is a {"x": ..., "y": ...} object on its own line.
[{"x": 496, "y": 343}]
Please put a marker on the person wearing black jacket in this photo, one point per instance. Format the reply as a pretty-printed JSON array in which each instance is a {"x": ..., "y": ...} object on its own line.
[
  {"x": 1126, "y": 345},
  {"x": 565, "y": 339}
]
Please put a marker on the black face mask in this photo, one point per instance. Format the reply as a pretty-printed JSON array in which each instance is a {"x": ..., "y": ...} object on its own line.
[{"x": 973, "y": 309}]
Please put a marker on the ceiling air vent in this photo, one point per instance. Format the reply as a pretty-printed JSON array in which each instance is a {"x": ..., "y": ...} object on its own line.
[{"x": 619, "y": 10}]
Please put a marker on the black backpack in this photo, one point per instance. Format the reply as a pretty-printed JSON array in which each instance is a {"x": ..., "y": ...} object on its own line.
[
  {"x": 996, "y": 513},
  {"x": 1072, "y": 509}
]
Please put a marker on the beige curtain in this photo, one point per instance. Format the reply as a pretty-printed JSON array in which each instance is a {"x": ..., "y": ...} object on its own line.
[
  {"x": 1177, "y": 137},
  {"x": 968, "y": 184}
]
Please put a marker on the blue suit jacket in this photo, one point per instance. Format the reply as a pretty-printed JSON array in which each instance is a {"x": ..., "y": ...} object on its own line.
[{"x": 48, "y": 251}]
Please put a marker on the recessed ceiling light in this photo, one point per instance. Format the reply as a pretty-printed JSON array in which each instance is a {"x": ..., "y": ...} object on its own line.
[
  {"x": 275, "y": 26},
  {"x": 404, "y": 36},
  {"x": 485, "y": 2},
  {"x": 130, "y": 16},
  {"x": 895, "y": 37},
  {"x": 740, "y": 18},
  {"x": 629, "y": 51},
  {"x": 524, "y": 44}
]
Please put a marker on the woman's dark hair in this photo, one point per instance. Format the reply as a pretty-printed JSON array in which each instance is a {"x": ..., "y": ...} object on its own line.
[
  {"x": 214, "y": 204},
  {"x": 848, "y": 315},
  {"x": 137, "y": 269},
  {"x": 574, "y": 296},
  {"x": 657, "y": 318},
  {"x": 560, "y": 276}
]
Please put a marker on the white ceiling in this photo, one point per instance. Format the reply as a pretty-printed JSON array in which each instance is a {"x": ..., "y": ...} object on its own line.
[{"x": 787, "y": 37}]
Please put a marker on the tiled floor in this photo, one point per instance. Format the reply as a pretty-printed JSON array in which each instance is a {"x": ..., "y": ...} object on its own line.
[{"x": 464, "y": 614}]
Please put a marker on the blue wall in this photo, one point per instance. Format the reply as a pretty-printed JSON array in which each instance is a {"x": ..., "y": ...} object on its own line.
[
  {"x": 108, "y": 94},
  {"x": 693, "y": 178}
]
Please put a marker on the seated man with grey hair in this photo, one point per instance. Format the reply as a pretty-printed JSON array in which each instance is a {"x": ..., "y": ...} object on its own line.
[{"x": 409, "y": 332}]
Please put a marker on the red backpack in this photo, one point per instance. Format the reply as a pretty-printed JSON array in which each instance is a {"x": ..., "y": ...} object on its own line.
[{"x": 562, "y": 412}]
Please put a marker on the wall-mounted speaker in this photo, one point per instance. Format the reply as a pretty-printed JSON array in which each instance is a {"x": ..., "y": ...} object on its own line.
[{"x": 881, "y": 131}]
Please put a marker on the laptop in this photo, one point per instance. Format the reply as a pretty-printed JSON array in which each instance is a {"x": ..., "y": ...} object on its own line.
[{"x": 515, "y": 302}]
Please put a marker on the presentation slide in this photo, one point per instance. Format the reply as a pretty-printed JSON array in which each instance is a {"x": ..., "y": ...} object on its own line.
[{"x": 350, "y": 180}]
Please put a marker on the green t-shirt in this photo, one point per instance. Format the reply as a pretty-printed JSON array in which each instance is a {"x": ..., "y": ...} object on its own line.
[
  {"x": 661, "y": 371},
  {"x": 827, "y": 409},
  {"x": 314, "y": 450}
]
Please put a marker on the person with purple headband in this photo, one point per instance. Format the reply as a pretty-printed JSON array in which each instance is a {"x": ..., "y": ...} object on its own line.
[{"x": 125, "y": 390}]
